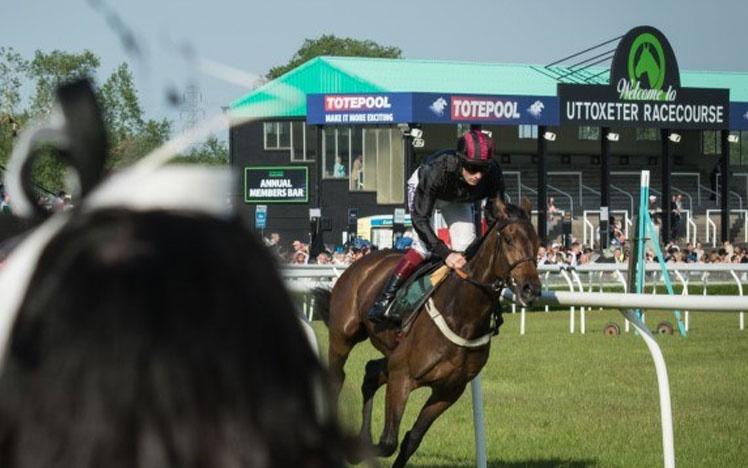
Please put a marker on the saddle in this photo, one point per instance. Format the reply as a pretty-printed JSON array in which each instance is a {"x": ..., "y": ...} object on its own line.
[
  {"x": 417, "y": 289},
  {"x": 421, "y": 284}
]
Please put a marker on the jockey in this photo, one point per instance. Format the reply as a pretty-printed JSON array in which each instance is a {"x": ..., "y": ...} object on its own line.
[{"x": 451, "y": 181}]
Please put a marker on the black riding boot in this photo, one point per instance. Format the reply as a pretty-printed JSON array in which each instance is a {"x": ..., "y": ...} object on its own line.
[{"x": 376, "y": 313}]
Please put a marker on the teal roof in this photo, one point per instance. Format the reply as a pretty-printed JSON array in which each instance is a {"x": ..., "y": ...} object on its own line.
[{"x": 286, "y": 95}]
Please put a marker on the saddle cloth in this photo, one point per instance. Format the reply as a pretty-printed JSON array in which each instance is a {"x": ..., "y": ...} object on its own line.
[{"x": 414, "y": 293}]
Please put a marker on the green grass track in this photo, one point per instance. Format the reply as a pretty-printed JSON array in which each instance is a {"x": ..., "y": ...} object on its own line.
[{"x": 556, "y": 399}]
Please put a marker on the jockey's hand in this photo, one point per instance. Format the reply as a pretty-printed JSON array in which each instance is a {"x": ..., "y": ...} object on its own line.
[{"x": 455, "y": 261}]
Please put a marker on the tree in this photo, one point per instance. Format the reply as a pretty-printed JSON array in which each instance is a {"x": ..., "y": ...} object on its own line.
[
  {"x": 330, "y": 44},
  {"x": 120, "y": 104},
  {"x": 133, "y": 146},
  {"x": 213, "y": 152},
  {"x": 49, "y": 70},
  {"x": 12, "y": 69}
]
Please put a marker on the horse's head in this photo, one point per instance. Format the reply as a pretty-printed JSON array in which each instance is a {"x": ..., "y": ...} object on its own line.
[
  {"x": 517, "y": 248},
  {"x": 647, "y": 65}
]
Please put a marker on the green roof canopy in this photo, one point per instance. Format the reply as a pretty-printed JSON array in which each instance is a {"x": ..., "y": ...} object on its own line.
[{"x": 286, "y": 95}]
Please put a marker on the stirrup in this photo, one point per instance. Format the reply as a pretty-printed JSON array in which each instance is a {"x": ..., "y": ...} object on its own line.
[{"x": 383, "y": 316}]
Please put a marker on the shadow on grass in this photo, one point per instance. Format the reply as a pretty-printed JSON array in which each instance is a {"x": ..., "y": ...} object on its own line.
[{"x": 550, "y": 463}]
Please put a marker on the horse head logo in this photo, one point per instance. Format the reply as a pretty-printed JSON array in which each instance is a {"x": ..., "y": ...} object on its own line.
[
  {"x": 438, "y": 106},
  {"x": 536, "y": 109},
  {"x": 647, "y": 57}
]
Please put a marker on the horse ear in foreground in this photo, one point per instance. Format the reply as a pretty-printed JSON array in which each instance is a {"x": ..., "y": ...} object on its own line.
[{"x": 425, "y": 354}]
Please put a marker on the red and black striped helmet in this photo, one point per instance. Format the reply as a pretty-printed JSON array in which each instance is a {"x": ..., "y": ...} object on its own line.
[{"x": 475, "y": 147}]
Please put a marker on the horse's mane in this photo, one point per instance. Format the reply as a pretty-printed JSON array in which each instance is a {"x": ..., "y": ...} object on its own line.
[{"x": 515, "y": 212}]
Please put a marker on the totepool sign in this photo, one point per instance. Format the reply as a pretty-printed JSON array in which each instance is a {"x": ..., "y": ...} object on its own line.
[
  {"x": 644, "y": 91},
  {"x": 389, "y": 108}
]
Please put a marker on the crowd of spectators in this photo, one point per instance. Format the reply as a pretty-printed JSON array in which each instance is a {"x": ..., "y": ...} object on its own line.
[
  {"x": 555, "y": 254},
  {"x": 51, "y": 203},
  {"x": 299, "y": 252},
  {"x": 551, "y": 254}
]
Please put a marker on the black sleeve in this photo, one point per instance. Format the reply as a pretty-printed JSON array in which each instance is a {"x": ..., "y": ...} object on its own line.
[
  {"x": 423, "y": 205},
  {"x": 495, "y": 190}
]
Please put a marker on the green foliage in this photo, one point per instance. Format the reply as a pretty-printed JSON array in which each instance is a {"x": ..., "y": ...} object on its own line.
[
  {"x": 48, "y": 171},
  {"x": 49, "y": 70},
  {"x": 556, "y": 399},
  {"x": 119, "y": 103},
  {"x": 212, "y": 152},
  {"x": 12, "y": 69},
  {"x": 330, "y": 44},
  {"x": 131, "y": 134},
  {"x": 129, "y": 147}
]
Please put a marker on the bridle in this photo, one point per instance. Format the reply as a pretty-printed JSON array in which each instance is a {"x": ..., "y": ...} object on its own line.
[{"x": 493, "y": 290}]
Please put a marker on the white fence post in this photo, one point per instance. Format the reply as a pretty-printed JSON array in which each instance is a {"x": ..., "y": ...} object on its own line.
[
  {"x": 740, "y": 291},
  {"x": 478, "y": 425}
]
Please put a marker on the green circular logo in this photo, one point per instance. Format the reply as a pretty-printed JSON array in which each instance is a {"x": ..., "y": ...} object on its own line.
[{"x": 646, "y": 57}]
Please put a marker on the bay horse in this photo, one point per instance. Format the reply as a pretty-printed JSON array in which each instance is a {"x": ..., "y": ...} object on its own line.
[{"x": 423, "y": 356}]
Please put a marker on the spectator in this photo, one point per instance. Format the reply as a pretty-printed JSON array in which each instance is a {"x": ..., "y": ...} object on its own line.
[
  {"x": 357, "y": 174},
  {"x": 552, "y": 207},
  {"x": 324, "y": 258},
  {"x": 5, "y": 207},
  {"x": 300, "y": 258},
  {"x": 274, "y": 244},
  {"x": 618, "y": 255},
  {"x": 542, "y": 256},
  {"x": 339, "y": 168},
  {"x": 675, "y": 215},
  {"x": 575, "y": 253},
  {"x": 729, "y": 249}
]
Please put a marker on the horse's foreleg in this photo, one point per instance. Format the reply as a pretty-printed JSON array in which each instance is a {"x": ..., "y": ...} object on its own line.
[
  {"x": 434, "y": 407},
  {"x": 399, "y": 386},
  {"x": 375, "y": 377}
]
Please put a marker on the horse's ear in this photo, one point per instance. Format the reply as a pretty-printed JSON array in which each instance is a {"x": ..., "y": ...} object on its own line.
[
  {"x": 526, "y": 206},
  {"x": 499, "y": 209}
]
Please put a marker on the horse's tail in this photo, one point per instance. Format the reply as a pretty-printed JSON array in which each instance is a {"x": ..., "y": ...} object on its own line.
[{"x": 322, "y": 303}]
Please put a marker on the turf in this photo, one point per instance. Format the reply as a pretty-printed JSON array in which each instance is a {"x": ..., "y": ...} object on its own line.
[{"x": 556, "y": 399}]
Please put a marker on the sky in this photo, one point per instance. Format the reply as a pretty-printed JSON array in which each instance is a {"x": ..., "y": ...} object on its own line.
[{"x": 253, "y": 36}]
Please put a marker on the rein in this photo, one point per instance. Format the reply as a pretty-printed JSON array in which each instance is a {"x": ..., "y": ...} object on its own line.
[{"x": 493, "y": 290}]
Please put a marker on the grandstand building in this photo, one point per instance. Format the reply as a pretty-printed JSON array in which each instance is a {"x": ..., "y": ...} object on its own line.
[{"x": 336, "y": 134}]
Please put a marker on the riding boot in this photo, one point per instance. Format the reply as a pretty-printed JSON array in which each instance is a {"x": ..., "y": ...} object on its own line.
[{"x": 404, "y": 268}]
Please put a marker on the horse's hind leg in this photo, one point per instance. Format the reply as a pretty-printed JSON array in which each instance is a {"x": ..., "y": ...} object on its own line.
[
  {"x": 376, "y": 376},
  {"x": 437, "y": 403},
  {"x": 340, "y": 348}
]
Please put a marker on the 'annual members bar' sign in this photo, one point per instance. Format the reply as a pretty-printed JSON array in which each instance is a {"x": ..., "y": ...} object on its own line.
[
  {"x": 644, "y": 91},
  {"x": 276, "y": 184}
]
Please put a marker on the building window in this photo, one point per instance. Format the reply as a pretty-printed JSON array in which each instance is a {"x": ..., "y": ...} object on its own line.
[
  {"x": 383, "y": 164},
  {"x": 340, "y": 147},
  {"x": 277, "y": 135},
  {"x": 589, "y": 133},
  {"x": 647, "y": 134},
  {"x": 528, "y": 131},
  {"x": 710, "y": 142},
  {"x": 299, "y": 151},
  {"x": 739, "y": 149}
]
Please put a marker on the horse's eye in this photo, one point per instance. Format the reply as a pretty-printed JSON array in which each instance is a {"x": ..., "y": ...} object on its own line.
[{"x": 508, "y": 240}]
